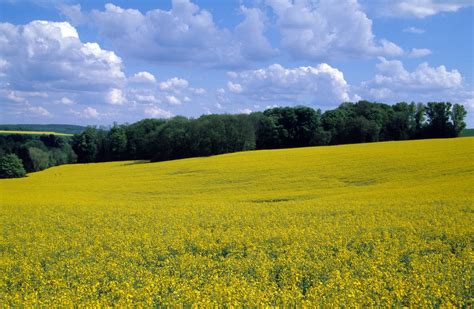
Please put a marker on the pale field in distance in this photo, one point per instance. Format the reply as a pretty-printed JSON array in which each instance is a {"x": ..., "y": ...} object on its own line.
[
  {"x": 387, "y": 224},
  {"x": 6, "y": 132}
]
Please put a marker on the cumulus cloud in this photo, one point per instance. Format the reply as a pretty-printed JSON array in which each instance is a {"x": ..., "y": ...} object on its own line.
[
  {"x": 91, "y": 112},
  {"x": 419, "y": 52},
  {"x": 44, "y": 66},
  {"x": 86, "y": 113},
  {"x": 394, "y": 80},
  {"x": 234, "y": 87},
  {"x": 143, "y": 77},
  {"x": 150, "y": 98},
  {"x": 321, "y": 84},
  {"x": 115, "y": 97},
  {"x": 250, "y": 34},
  {"x": 73, "y": 13},
  {"x": 422, "y": 8},
  {"x": 38, "y": 110},
  {"x": 174, "y": 91},
  {"x": 244, "y": 111},
  {"x": 198, "y": 90},
  {"x": 156, "y": 112},
  {"x": 414, "y": 30},
  {"x": 66, "y": 101},
  {"x": 186, "y": 34},
  {"x": 13, "y": 96},
  {"x": 171, "y": 99},
  {"x": 50, "y": 56},
  {"x": 327, "y": 29},
  {"x": 20, "y": 96},
  {"x": 174, "y": 83}
]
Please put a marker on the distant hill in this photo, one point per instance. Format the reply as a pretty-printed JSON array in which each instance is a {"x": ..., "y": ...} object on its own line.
[
  {"x": 59, "y": 128},
  {"x": 467, "y": 132}
]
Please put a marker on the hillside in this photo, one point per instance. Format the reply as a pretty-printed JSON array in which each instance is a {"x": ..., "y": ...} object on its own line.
[
  {"x": 58, "y": 128},
  {"x": 467, "y": 132},
  {"x": 21, "y": 132},
  {"x": 386, "y": 224}
]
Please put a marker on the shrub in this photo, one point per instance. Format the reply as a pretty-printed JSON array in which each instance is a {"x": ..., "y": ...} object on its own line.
[{"x": 11, "y": 167}]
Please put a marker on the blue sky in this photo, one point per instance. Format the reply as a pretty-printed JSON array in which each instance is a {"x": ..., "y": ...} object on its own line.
[{"x": 99, "y": 62}]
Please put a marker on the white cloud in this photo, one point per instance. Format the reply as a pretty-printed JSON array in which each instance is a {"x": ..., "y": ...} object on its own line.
[
  {"x": 250, "y": 33},
  {"x": 66, "y": 101},
  {"x": 143, "y": 77},
  {"x": 13, "y": 96},
  {"x": 22, "y": 96},
  {"x": 185, "y": 34},
  {"x": 422, "y": 8},
  {"x": 45, "y": 64},
  {"x": 146, "y": 98},
  {"x": 423, "y": 77},
  {"x": 115, "y": 97},
  {"x": 50, "y": 56},
  {"x": 90, "y": 112},
  {"x": 73, "y": 13},
  {"x": 38, "y": 110},
  {"x": 86, "y": 113},
  {"x": 3, "y": 66},
  {"x": 393, "y": 80},
  {"x": 244, "y": 111},
  {"x": 198, "y": 90},
  {"x": 157, "y": 112},
  {"x": 469, "y": 104},
  {"x": 414, "y": 30},
  {"x": 321, "y": 84},
  {"x": 171, "y": 99},
  {"x": 419, "y": 52},
  {"x": 174, "y": 84},
  {"x": 234, "y": 87},
  {"x": 222, "y": 98},
  {"x": 327, "y": 29}
]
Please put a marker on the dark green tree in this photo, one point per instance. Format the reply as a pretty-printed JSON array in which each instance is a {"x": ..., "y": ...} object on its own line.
[
  {"x": 333, "y": 122},
  {"x": 39, "y": 159},
  {"x": 420, "y": 118},
  {"x": 291, "y": 127},
  {"x": 52, "y": 140},
  {"x": 458, "y": 114},
  {"x": 138, "y": 138},
  {"x": 400, "y": 124},
  {"x": 172, "y": 140},
  {"x": 439, "y": 114},
  {"x": 11, "y": 167},
  {"x": 117, "y": 142},
  {"x": 85, "y": 145}
]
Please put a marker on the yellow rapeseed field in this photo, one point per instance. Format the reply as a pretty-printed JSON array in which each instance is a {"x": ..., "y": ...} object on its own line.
[
  {"x": 5, "y": 132},
  {"x": 382, "y": 224}
]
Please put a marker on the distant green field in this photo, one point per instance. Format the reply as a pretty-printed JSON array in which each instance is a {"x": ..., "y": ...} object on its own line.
[
  {"x": 6, "y": 132},
  {"x": 467, "y": 132},
  {"x": 60, "y": 128}
]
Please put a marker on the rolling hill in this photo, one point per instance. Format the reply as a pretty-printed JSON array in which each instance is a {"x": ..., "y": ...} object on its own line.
[
  {"x": 381, "y": 224},
  {"x": 57, "y": 128}
]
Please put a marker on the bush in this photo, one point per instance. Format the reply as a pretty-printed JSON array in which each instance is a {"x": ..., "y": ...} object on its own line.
[{"x": 11, "y": 167}]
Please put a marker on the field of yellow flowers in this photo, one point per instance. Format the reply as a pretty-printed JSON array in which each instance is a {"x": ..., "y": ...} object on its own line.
[{"x": 386, "y": 224}]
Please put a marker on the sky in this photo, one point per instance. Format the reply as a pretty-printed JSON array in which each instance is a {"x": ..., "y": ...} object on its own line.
[{"x": 100, "y": 62}]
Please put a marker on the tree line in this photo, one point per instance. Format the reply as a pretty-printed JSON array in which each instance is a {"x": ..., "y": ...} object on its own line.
[
  {"x": 20, "y": 154},
  {"x": 280, "y": 127}
]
